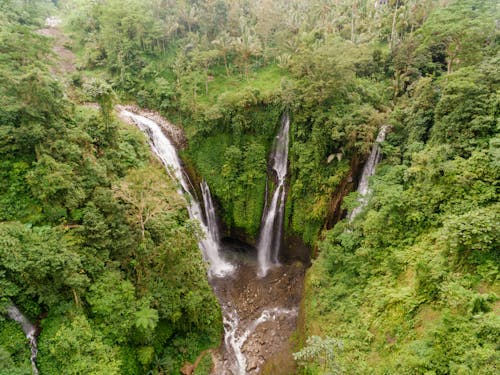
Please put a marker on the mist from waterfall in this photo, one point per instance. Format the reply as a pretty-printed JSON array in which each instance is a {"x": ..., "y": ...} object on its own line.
[
  {"x": 368, "y": 171},
  {"x": 271, "y": 231},
  {"x": 167, "y": 153}
]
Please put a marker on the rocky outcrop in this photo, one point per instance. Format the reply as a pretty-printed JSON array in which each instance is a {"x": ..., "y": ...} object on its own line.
[
  {"x": 349, "y": 182},
  {"x": 173, "y": 132}
]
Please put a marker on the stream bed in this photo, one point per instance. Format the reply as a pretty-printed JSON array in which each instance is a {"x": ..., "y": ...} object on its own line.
[{"x": 260, "y": 315}]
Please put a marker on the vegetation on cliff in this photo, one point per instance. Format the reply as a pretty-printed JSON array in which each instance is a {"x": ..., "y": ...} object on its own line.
[
  {"x": 410, "y": 286},
  {"x": 113, "y": 293},
  {"x": 227, "y": 70}
]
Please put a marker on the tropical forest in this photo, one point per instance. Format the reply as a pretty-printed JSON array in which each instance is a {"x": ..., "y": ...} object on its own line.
[{"x": 249, "y": 187}]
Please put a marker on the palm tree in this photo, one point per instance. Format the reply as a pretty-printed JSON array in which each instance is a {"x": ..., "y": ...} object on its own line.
[
  {"x": 224, "y": 44},
  {"x": 188, "y": 14},
  {"x": 146, "y": 319},
  {"x": 247, "y": 45}
]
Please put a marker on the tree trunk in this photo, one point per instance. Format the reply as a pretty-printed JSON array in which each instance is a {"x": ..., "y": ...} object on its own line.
[
  {"x": 396, "y": 83},
  {"x": 206, "y": 82},
  {"x": 141, "y": 221},
  {"x": 393, "y": 31},
  {"x": 353, "y": 14},
  {"x": 225, "y": 64}
]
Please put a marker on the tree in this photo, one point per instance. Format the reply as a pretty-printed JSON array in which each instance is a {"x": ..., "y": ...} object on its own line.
[
  {"x": 76, "y": 348},
  {"x": 103, "y": 94},
  {"x": 465, "y": 112},
  {"x": 469, "y": 27},
  {"x": 146, "y": 320},
  {"x": 205, "y": 59},
  {"x": 113, "y": 305},
  {"x": 55, "y": 182},
  {"x": 39, "y": 263},
  {"x": 188, "y": 14},
  {"x": 247, "y": 45},
  {"x": 224, "y": 44},
  {"x": 148, "y": 194},
  {"x": 321, "y": 351}
]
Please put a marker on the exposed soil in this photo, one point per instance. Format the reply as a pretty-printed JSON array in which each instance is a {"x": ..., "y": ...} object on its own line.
[{"x": 65, "y": 62}]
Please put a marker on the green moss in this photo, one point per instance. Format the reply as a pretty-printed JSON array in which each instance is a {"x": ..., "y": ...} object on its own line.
[{"x": 232, "y": 155}]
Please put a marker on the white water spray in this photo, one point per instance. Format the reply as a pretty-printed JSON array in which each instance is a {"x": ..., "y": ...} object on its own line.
[
  {"x": 269, "y": 242},
  {"x": 368, "y": 171},
  {"x": 167, "y": 153},
  {"x": 29, "y": 330}
]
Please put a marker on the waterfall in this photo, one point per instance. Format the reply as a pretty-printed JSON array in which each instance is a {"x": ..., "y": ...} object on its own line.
[
  {"x": 368, "y": 171},
  {"x": 213, "y": 228},
  {"x": 167, "y": 153},
  {"x": 29, "y": 330},
  {"x": 269, "y": 242}
]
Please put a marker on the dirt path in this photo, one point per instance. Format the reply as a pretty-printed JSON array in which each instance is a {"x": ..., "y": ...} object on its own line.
[{"x": 64, "y": 63}]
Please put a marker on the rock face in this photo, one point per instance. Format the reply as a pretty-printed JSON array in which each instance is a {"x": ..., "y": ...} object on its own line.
[
  {"x": 266, "y": 309},
  {"x": 173, "y": 132}
]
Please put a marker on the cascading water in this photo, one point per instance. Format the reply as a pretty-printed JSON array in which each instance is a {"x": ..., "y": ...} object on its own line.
[
  {"x": 29, "y": 330},
  {"x": 246, "y": 301},
  {"x": 269, "y": 242},
  {"x": 368, "y": 171},
  {"x": 234, "y": 337},
  {"x": 167, "y": 153},
  {"x": 211, "y": 218}
]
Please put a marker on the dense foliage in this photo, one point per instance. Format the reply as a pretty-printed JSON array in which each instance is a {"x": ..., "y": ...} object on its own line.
[
  {"x": 411, "y": 285},
  {"x": 226, "y": 71},
  {"x": 95, "y": 243}
]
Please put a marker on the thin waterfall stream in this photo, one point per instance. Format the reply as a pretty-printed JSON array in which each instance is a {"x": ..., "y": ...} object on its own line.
[
  {"x": 271, "y": 231},
  {"x": 29, "y": 330},
  {"x": 210, "y": 213},
  {"x": 259, "y": 314},
  {"x": 368, "y": 171}
]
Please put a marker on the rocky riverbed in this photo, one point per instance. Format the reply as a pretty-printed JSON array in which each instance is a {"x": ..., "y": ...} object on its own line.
[{"x": 266, "y": 311}]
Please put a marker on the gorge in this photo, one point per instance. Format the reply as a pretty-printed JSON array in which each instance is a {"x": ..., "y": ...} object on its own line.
[
  {"x": 259, "y": 314},
  {"x": 252, "y": 292},
  {"x": 322, "y": 199}
]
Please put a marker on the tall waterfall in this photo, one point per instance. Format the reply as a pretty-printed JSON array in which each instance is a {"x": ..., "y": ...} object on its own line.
[
  {"x": 368, "y": 171},
  {"x": 211, "y": 218},
  {"x": 29, "y": 330},
  {"x": 167, "y": 153},
  {"x": 269, "y": 242}
]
